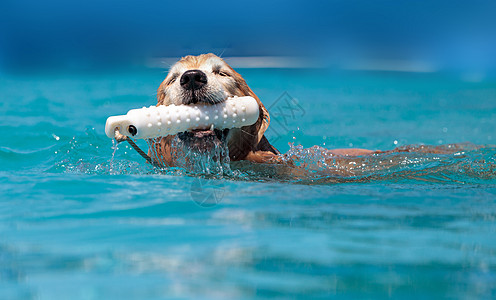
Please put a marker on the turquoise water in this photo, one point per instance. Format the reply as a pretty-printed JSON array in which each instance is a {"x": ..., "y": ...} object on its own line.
[{"x": 81, "y": 218}]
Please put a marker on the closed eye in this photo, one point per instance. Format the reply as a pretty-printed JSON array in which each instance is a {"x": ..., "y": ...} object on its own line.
[
  {"x": 220, "y": 73},
  {"x": 172, "y": 79},
  {"x": 217, "y": 71}
]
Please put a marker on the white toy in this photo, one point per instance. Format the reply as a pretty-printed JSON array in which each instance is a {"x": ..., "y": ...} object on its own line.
[{"x": 156, "y": 121}]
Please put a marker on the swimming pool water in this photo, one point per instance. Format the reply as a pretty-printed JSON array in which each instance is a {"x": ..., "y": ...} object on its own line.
[{"x": 78, "y": 221}]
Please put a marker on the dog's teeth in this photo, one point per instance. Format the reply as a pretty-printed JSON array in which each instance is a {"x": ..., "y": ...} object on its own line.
[{"x": 212, "y": 127}]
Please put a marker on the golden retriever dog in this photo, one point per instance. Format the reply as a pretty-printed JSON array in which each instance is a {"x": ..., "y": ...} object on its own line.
[{"x": 207, "y": 78}]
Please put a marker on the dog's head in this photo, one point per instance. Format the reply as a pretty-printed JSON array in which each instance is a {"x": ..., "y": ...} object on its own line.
[{"x": 209, "y": 79}]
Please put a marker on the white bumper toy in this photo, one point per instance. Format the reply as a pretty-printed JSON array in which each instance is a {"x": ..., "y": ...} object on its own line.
[{"x": 156, "y": 121}]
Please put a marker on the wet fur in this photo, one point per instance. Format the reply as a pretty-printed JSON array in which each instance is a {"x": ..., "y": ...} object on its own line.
[{"x": 245, "y": 143}]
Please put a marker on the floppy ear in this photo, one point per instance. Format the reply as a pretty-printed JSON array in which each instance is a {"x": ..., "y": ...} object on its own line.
[
  {"x": 262, "y": 125},
  {"x": 263, "y": 119},
  {"x": 250, "y": 138}
]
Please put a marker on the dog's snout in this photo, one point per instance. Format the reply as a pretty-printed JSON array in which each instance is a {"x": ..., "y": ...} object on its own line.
[{"x": 193, "y": 80}]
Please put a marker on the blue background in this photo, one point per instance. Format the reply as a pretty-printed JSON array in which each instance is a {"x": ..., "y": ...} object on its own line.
[{"x": 80, "y": 34}]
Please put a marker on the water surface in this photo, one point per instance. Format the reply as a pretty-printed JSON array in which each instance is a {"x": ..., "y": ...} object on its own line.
[{"x": 80, "y": 219}]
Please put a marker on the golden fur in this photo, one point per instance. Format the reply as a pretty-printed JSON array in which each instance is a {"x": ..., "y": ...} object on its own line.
[{"x": 246, "y": 142}]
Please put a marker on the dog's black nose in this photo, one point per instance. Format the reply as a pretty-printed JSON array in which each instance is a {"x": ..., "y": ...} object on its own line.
[{"x": 193, "y": 80}]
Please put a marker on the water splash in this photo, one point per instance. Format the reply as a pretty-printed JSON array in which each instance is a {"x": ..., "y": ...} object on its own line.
[
  {"x": 94, "y": 155},
  {"x": 459, "y": 163},
  {"x": 209, "y": 161}
]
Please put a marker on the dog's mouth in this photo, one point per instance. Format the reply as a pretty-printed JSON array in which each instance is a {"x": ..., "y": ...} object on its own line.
[
  {"x": 201, "y": 96},
  {"x": 201, "y": 134},
  {"x": 204, "y": 140}
]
